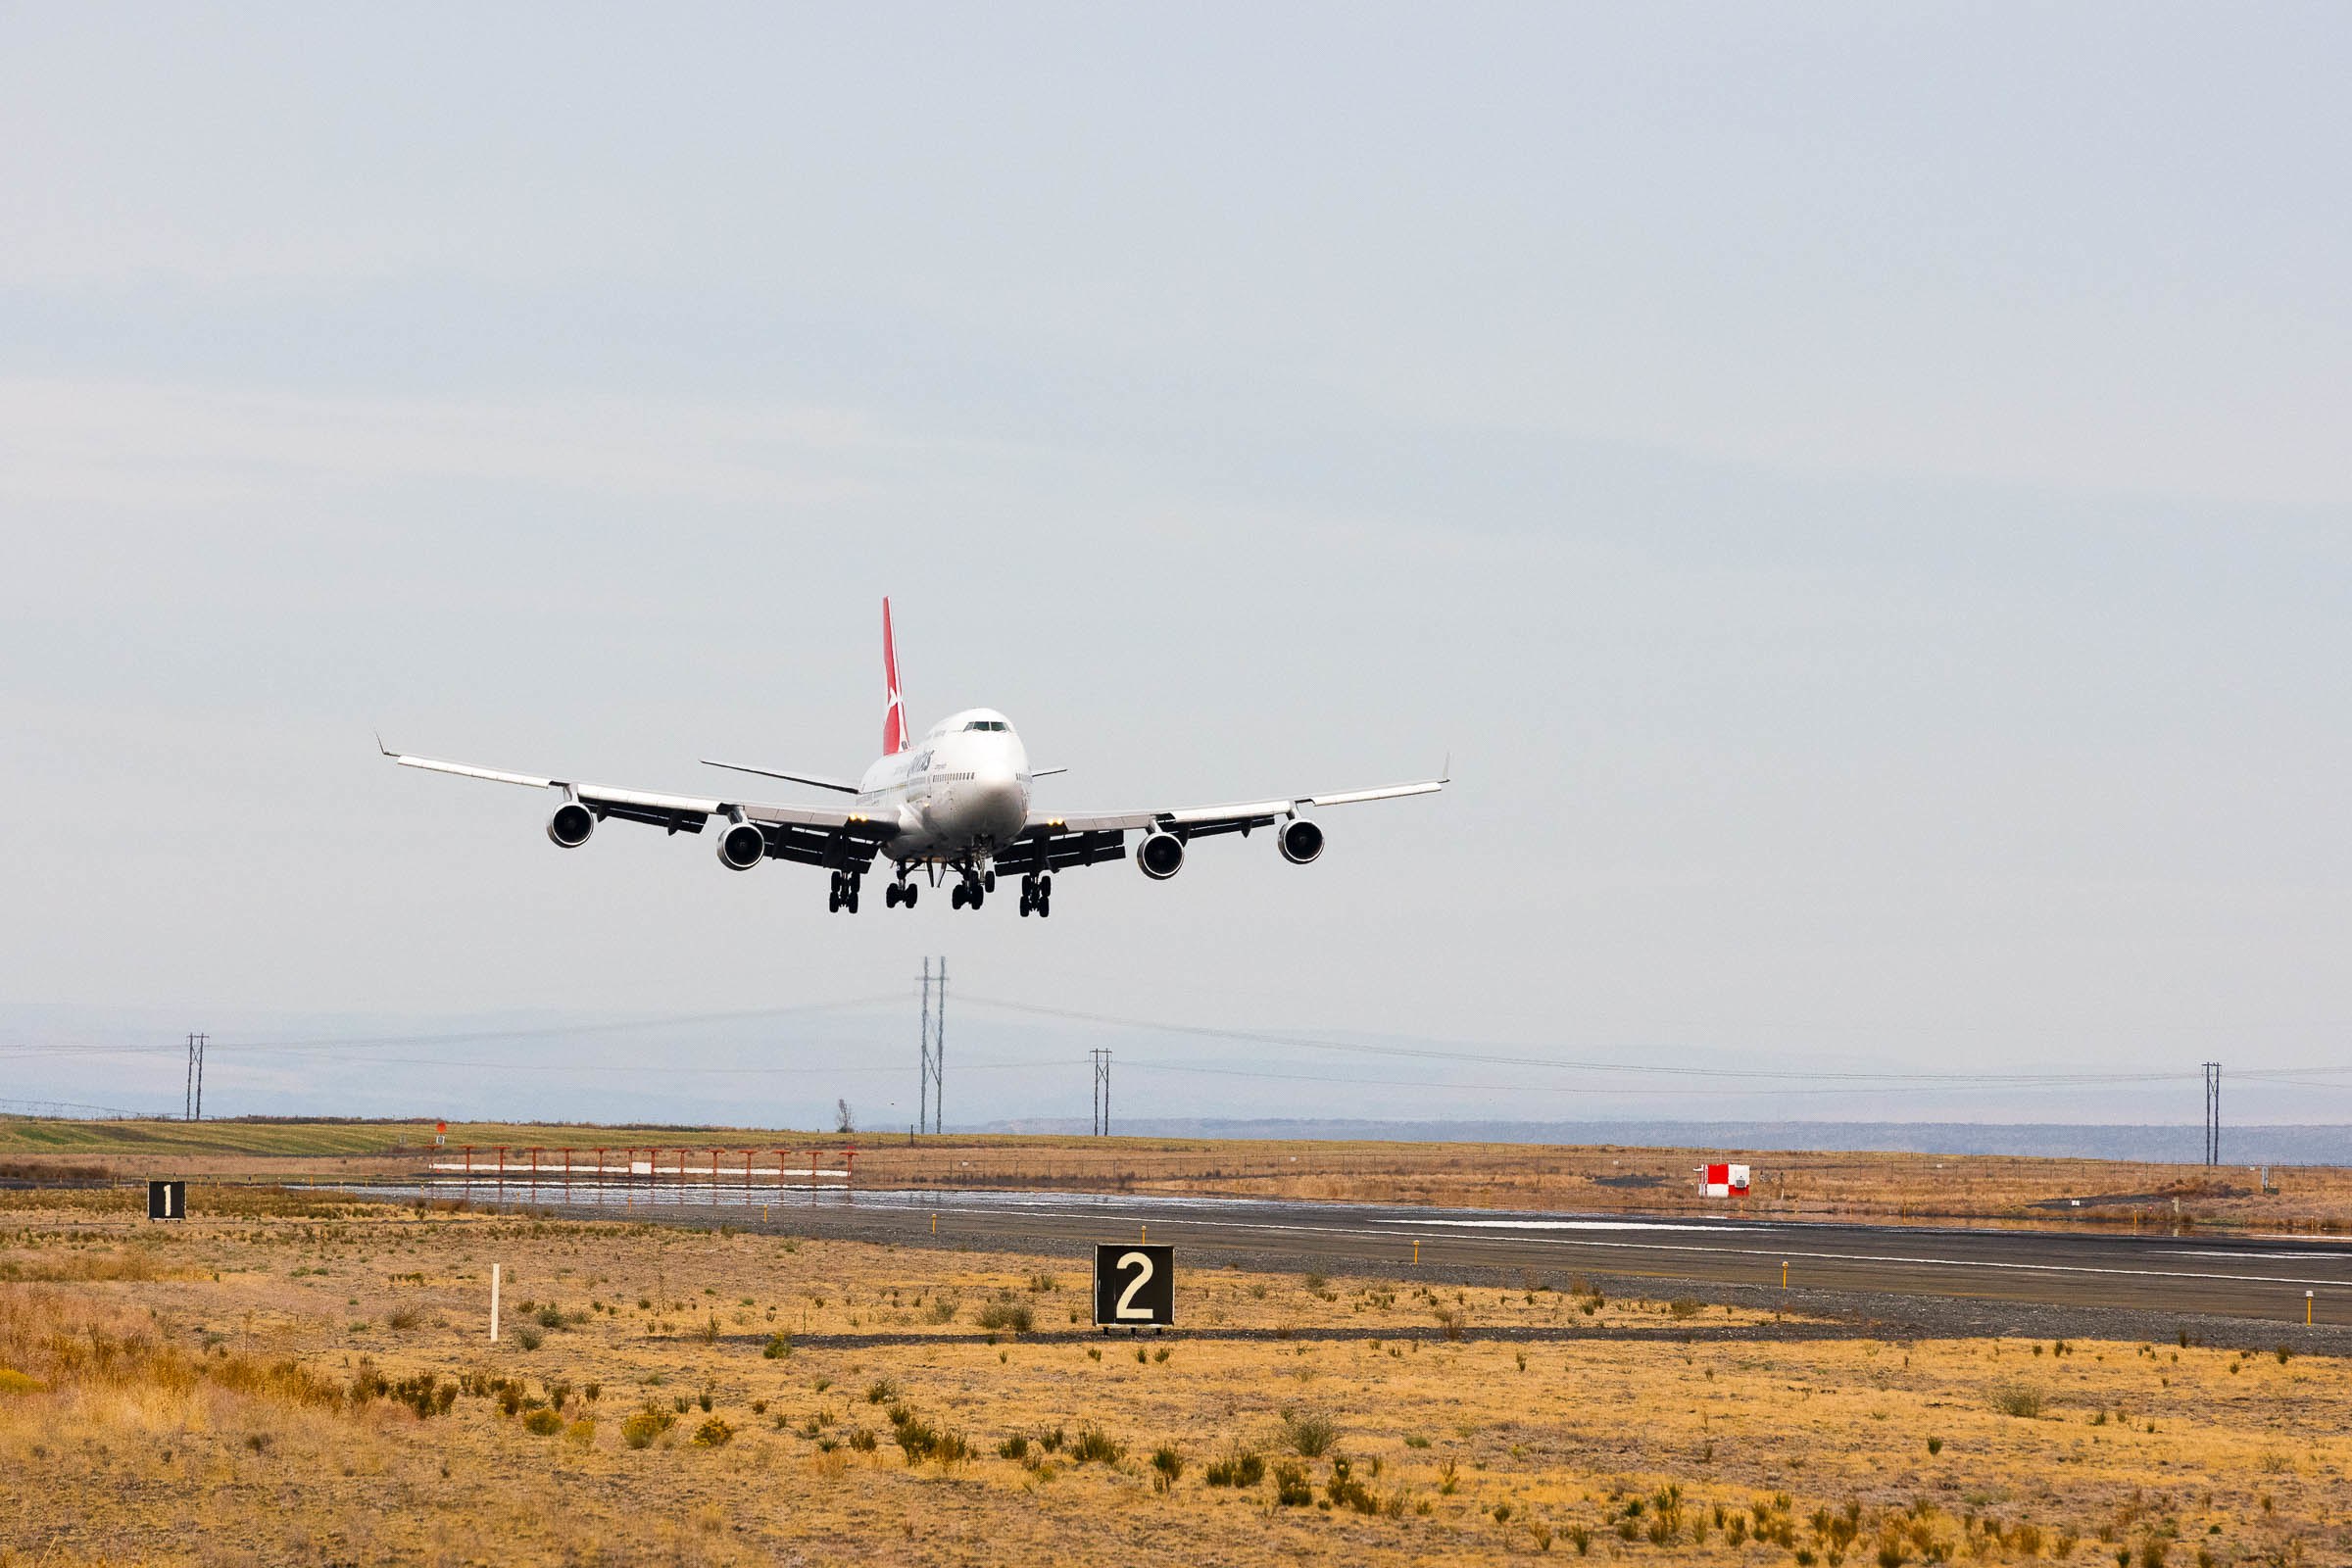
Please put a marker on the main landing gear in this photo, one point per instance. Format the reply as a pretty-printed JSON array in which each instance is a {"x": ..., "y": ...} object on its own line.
[
  {"x": 901, "y": 892},
  {"x": 844, "y": 893},
  {"x": 1037, "y": 894},
  {"x": 972, "y": 888}
]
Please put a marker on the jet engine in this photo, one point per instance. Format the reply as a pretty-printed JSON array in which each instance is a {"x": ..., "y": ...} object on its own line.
[
  {"x": 570, "y": 825},
  {"x": 741, "y": 846},
  {"x": 1160, "y": 856},
  {"x": 1300, "y": 840}
]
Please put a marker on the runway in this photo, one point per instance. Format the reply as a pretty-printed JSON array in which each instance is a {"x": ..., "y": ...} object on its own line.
[{"x": 2225, "y": 1277}]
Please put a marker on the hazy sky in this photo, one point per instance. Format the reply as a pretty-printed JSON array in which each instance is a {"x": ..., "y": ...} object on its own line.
[{"x": 1860, "y": 493}]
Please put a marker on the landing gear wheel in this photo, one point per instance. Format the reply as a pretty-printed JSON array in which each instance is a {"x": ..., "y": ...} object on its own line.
[
  {"x": 850, "y": 900},
  {"x": 890, "y": 896},
  {"x": 974, "y": 897},
  {"x": 957, "y": 896},
  {"x": 1045, "y": 906},
  {"x": 907, "y": 895},
  {"x": 989, "y": 881}
]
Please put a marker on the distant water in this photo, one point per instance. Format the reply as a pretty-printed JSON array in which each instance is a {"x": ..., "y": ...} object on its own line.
[{"x": 2172, "y": 1144}]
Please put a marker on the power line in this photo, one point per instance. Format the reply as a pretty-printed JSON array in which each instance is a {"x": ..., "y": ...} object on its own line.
[
  {"x": 1573, "y": 1064},
  {"x": 464, "y": 1036}
]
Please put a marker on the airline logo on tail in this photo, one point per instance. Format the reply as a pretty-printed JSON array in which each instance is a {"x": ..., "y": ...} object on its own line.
[{"x": 894, "y": 711}]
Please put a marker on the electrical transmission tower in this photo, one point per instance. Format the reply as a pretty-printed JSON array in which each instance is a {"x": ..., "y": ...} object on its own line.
[
  {"x": 192, "y": 1106},
  {"x": 2213, "y": 1113},
  {"x": 1101, "y": 1092},
  {"x": 934, "y": 1091}
]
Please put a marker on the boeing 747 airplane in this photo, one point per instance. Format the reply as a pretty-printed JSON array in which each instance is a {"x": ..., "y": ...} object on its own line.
[{"x": 953, "y": 805}]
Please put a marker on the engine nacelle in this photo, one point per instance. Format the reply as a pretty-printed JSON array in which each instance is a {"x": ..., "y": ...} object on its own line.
[
  {"x": 1160, "y": 856},
  {"x": 568, "y": 828},
  {"x": 741, "y": 846},
  {"x": 1300, "y": 840}
]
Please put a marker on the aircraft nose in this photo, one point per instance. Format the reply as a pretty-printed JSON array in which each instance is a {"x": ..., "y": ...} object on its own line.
[{"x": 998, "y": 791}]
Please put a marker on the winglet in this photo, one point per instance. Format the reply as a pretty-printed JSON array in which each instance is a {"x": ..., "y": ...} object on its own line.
[
  {"x": 382, "y": 746},
  {"x": 1446, "y": 773}
]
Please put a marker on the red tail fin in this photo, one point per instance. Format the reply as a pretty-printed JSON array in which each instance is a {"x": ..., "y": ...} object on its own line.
[{"x": 894, "y": 711}]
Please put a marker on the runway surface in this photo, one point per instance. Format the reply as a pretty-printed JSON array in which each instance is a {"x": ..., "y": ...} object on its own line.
[{"x": 2227, "y": 1277}]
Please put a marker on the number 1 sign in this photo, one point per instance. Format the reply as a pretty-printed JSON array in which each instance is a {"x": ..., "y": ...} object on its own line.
[{"x": 1135, "y": 1285}]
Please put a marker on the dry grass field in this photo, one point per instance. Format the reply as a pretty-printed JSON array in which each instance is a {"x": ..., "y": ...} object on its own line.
[
  {"x": 1925, "y": 1189},
  {"x": 284, "y": 1379}
]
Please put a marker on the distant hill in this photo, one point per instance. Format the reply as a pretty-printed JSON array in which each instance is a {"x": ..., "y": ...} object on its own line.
[{"x": 2172, "y": 1145}]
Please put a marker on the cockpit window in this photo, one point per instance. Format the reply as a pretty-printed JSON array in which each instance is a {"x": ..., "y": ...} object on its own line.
[{"x": 986, "y": 724}]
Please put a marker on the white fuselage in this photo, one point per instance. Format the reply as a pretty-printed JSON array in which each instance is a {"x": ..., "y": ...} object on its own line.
[{"x": 960, "y": 793}]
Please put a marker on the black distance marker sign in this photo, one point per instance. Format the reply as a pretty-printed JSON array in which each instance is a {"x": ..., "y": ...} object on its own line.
[
  {"x": 1135, "y": 1285},
  {"x": 167, "y": 1199}
]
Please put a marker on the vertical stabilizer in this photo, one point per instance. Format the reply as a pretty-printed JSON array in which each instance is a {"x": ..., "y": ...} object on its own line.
[{"x": 894, "y": 709}]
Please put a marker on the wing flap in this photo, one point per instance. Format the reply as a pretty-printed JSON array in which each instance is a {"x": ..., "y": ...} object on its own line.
[{"x": 1047, "y": 849}]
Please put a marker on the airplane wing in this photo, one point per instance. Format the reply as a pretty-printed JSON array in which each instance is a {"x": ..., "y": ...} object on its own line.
[
  {"x": 1058, "y": 838},
  {"x": 812, "y": 835}
]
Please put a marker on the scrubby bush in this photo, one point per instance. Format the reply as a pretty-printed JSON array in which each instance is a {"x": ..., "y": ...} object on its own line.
[
  {"x": 1236, "y": 1467},
  {"x": 882, "y": 1391},
  {"x": 1345, "y": 1490},
  {"x": 643, "y": 1426},
  {"x": 778, "y": 1347},
  {"x": 1092, "y": 1443},
  {"x": 1292, "y": 1489},
  {"x": 713, "y": 1433},
  {"x": 1015, "y": 1447},
  {"x": 1167, "y": 1463},
  {"x": 916, "y": 1436},
  {"x": 1309, "y": 1434},
  {"x": 1004, "y": 1314},
  {"x": 2018, "y": 1399},
  {"x": 426, "y": 1395},
  {"x": 529, "y": 1339}
]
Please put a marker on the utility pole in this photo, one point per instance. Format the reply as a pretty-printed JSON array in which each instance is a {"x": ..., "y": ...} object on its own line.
[
  {"x": 1101, "y": 1092},
  {"x": 2213, "y": 1113},
  {"x": 934, "y": 1089},
  {"x": 191, "y": 1105}
]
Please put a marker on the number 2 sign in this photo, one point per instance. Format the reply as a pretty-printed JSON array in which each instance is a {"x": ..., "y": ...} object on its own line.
[{"x": 1135, "y": 1285}]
